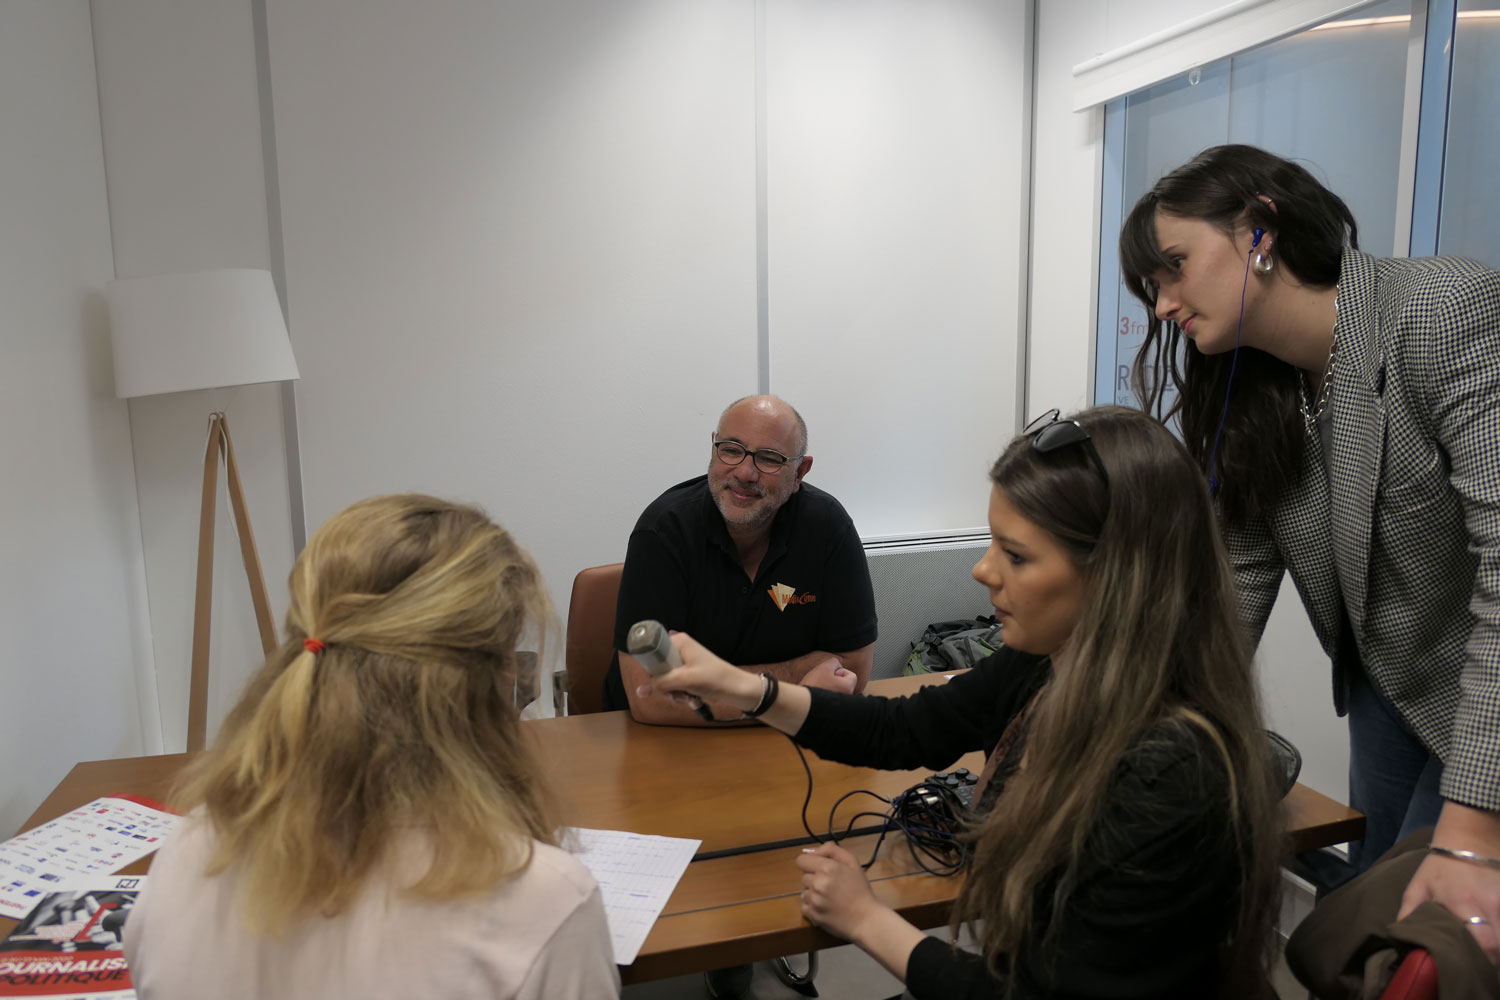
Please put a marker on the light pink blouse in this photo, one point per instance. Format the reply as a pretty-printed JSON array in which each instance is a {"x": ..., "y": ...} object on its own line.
[{"x": 540, "y": 935}]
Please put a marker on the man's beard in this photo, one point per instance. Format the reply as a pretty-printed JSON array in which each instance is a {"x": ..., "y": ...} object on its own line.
[{"x": 754, "y": 517}]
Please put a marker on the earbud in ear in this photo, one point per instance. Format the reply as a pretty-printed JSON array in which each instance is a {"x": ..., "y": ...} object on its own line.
[{"x": 1257, "y": 233}]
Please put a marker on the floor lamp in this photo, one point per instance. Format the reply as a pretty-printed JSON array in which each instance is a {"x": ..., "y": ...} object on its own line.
[{"x": 204, "y": 330}]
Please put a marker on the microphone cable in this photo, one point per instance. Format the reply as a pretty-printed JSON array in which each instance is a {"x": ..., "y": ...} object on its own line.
[{"x": 930, "y": 816}]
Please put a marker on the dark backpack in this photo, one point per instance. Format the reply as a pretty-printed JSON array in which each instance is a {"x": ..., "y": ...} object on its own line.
[{"x": 953, "y": 645}]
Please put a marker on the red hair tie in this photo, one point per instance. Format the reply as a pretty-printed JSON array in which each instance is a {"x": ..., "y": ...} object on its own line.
[{"x": 313, "y": 646}]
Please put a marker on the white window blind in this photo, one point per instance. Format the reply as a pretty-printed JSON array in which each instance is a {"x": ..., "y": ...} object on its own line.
[{"x": 1195, "y": 41}]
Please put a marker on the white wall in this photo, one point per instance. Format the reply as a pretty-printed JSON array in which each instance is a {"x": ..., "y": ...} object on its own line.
[
  {"x": 533, "y": 237},
  {"x": 520, "y": 253},
  {"x": 520, "y": 258},
  {"x": 1295, "y": 674},
  {"x": 897, "y": 209},
  {"x": 182, "y": 141},
  {"x": 1121, "y": 22},
  {"x": 72, "y": 594},
  {"x": 1066, "y": 156}
]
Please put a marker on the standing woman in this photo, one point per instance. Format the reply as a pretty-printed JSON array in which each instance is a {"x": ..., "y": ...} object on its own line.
[
  {"x": 1354, "y": 440},
  {"x": 369, "y": 821},
  {"x": 1127, "y": 836}
]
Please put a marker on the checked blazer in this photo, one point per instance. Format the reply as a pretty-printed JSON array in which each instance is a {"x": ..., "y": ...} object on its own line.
[{"x": 1407, "y": 538}]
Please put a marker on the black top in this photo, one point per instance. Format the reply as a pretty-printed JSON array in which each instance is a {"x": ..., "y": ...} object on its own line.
[
  {"x": 812, "y": 590},
  {"x": 1157, "y": 889}
]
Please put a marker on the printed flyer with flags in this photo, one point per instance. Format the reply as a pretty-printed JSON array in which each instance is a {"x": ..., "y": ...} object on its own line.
[{"x": 71, "y": 944}]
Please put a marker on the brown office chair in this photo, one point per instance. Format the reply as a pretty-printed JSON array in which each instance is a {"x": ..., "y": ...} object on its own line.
[
  {"x": 591, "y": 637},
  {"x": 590, "y": 650}
]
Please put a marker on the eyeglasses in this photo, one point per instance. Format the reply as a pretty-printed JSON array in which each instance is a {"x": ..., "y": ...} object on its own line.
[
  {"x": 766, "y": 460},
  {"x": 1048, "y": 433}
]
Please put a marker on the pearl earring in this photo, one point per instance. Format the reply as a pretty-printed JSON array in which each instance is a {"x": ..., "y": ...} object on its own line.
[{"x": 1263, "y": 262}]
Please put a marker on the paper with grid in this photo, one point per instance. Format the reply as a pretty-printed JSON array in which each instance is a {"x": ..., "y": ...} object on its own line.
[
  {"x": 103, "y": 836},
  {"x": 636, "y": 875}
]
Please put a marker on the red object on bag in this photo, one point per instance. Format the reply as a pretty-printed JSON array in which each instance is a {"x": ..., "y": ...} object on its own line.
[{"x": 1415, "y": 978}]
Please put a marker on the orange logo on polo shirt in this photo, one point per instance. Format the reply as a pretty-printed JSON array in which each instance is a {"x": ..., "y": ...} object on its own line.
[{"x": 783, "y": 595}]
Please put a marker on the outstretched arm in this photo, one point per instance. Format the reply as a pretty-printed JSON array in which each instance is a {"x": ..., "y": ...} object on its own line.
[
  {"x": 724, "y": 687},
  {"x": 657, "y": 711},
  {"x": 845, "y": 672}
]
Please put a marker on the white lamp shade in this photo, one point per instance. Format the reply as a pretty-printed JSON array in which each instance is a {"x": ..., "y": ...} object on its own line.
[{"x": 198, "y": 330}]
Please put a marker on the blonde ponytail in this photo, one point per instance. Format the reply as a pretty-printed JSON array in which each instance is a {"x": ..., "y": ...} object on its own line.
[{"x": 404, "y": 719}]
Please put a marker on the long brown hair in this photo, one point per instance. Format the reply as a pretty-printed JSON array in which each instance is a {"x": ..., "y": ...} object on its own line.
[
  {"x": 1159, "y": 642},
  {"x": 406, "y": 719},
  {"x": 1261, "y": 451}
]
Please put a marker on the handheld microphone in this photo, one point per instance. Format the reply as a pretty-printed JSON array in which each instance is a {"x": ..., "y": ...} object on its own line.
[{"x": 651, "y": 644}]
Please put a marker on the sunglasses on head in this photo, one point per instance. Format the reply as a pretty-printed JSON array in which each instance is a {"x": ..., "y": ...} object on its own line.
[{"x": 1049, "y": 433}]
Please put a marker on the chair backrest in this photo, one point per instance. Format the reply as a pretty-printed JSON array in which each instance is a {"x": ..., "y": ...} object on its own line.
[
  {"x": 1415, "y": 978},
  {"x": 591, "y": 636}
]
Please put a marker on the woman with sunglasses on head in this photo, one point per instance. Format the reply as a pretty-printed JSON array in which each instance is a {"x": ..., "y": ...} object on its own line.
[
  {"x": 1347, "y": 410},
  {"x": 1124, "y": 840},
  {"x": 369, "y": 821}
]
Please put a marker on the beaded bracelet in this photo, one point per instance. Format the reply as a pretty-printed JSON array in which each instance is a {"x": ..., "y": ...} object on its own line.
[
  {"x": 767, "y": 696},
  {"x": 1469, "y": 856}
]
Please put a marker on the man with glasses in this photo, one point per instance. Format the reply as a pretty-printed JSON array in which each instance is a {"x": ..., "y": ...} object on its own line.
[{"x": 762, "y": 568}]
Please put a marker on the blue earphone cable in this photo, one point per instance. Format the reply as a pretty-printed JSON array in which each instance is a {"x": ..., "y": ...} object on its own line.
[{"x": 1234, "y": 363}]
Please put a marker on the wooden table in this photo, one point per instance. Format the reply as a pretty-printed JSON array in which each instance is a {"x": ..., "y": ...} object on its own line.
[{"x": 727, "y": 787}]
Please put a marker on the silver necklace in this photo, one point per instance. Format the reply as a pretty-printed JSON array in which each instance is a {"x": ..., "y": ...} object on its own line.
[{"x": 1325, "y": 388}]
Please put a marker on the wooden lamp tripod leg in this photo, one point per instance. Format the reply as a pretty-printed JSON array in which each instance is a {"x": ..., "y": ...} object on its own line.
[{"x": 220, "y": 444}]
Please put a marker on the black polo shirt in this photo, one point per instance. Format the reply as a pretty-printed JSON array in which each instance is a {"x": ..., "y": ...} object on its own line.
[{"x": 812, "y": 590}]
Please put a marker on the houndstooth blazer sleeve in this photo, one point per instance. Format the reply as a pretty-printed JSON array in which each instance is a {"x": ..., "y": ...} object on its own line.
[
  {"x": 1294, "y": 538},
  {"x": 1258, "y": 568},
  {"x": 1404, "y": 539},
  {"x": 1444, "y": 346}
]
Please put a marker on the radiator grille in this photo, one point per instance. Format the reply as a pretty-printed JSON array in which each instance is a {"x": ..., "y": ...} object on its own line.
[{"x": 918, "y": 581}]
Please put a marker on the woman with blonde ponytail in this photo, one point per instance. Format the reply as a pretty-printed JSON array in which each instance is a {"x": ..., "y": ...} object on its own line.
[
  {"x": 369, "y": 821},
  {"x": 1125, "y": 838}
]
